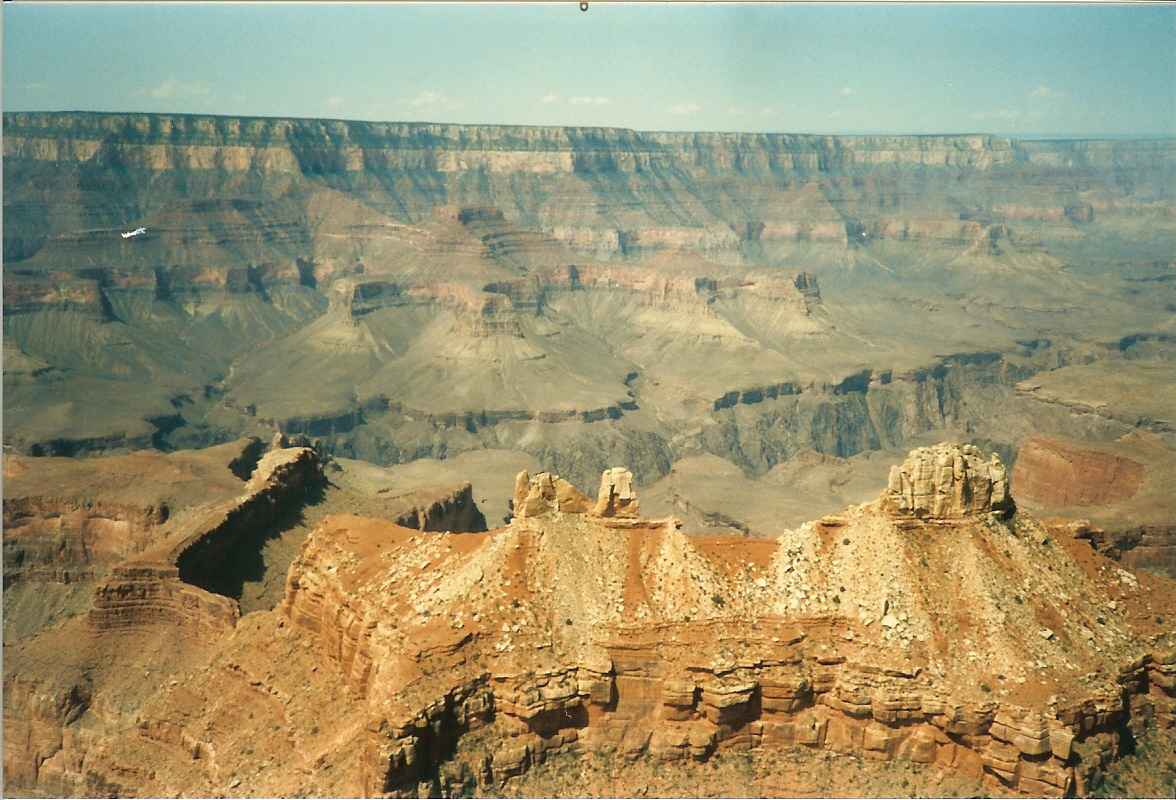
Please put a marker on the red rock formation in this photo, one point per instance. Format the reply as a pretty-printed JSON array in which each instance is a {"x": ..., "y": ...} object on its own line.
[
  {"x": 1053, "y": 473},
  {"x": 141, "y": 594},
  {"x": 820, "y": 639},
  {"x": 169, "y": 584},
  {"x": 459, "y": 662}
]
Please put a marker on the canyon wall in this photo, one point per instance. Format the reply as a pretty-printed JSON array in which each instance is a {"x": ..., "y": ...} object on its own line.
[{"x": 585, "y": 296}]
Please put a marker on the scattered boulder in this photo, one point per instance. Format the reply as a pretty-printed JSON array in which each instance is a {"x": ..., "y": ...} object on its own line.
[{"x": 948, "y": 481}]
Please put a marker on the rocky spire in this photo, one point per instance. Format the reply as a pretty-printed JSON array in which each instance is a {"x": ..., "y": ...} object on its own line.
[{"x": 616, "y": 497}]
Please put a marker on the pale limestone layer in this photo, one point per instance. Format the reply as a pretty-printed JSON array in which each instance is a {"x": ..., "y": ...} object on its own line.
[{"x": 948, "y": 481}]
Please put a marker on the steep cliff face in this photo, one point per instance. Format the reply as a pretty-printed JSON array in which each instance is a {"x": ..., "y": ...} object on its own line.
[
  {"x": 68, "y": 522},
  {"x": 141, "y": 605},
  {"x": 1058, "y": 474},
  {"x": 1121, "y": 488},
  {"x": 442, "y": 510}
]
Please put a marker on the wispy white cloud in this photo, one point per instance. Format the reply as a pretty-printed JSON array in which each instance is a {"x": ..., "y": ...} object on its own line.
[
  {"x": 35, "y": 86},
  {"x": 550, "y": 97},
  {"x": 172, "y": 88},
  {"x": 428, "y": 102},
  {"x": 428, "y": 99},
  {"x": 334, "y": 101},
  {"x": 999, "y": 113},
  {"x": 846, "y": 91},
  {"x": 583, "y": 100},
  {"x": 685, "y": 108},
  {"x": 1044, "y": 92}
]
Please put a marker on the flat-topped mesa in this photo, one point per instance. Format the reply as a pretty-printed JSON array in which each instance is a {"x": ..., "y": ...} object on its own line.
[
  {"x": 948, "y": 481},
  {"x": 537, "y": 495}
]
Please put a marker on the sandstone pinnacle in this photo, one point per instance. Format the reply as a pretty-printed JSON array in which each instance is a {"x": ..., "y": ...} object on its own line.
[{"x": 616, "y": 497}]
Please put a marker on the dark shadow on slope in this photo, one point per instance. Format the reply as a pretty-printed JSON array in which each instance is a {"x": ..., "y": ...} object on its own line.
[{"x": 225, "y": 560}]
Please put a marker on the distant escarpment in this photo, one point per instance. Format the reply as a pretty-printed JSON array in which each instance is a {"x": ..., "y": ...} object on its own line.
[{"x": 828, "y": 182}]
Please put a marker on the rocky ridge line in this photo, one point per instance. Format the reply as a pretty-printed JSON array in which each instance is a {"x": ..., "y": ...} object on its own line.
[{"x": 768, "y": 650}]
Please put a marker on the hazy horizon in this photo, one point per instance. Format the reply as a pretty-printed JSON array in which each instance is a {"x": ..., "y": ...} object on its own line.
[
  {"x": 1021, "y": 71},
  {"x": 1044, "y": 136}
]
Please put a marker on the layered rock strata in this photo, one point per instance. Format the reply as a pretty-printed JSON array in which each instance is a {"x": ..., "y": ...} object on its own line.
[
  {"x": 67, "y": 520},
  {"x": 178, "y": 580},
  {"x": 876, "y": 632},
  {"x": 453, "y": 510},
  {"x": 1058, "y": 474}
]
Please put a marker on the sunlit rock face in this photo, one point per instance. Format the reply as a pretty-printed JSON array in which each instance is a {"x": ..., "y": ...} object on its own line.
[{"x": 948, "y": 481}]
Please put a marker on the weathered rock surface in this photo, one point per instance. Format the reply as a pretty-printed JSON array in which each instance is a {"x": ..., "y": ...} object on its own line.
[
  {"x": 846, "y": 654},
  {"x": 442, "y": 510},
  {"x": 69, "y": 522},
  {"x": 948, "y": 482},
  {"x": 466, "y": 661},
  {"x": 1059, "y": 474},
  {"x": 579, "y": 297},
  {"x": 188, "y": 574},
  {"x": 1122, "y": 489},
  {"x": 617, "y": 497},
  {"x": 543, "y": 493},
  {"x": 598, "y": 298},
  {"x": 66, "y": 519}
]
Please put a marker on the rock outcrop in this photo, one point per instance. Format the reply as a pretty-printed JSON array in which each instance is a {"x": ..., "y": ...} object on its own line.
[
  {"x": 617, "y": 497},
  {"x": 1119, "y": 490},
  {"x": 461, "y": 662},
  {"x": 67, "y": 520},
  {"x": 187, "y": 577},
  {"x": 948, "y": 481},
  {"x": 821, "y": 639},
  {"x": 142, "y": 594},
  {"x": 544, "y": 492},
  {"x": 1147, "y": 547},
  {"x": 442, "y": 510},
  {"x": 365, "y": 252}
]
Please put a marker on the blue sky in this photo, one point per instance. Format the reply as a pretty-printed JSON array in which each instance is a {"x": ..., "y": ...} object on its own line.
[{"x": 1020, "y": 69}]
